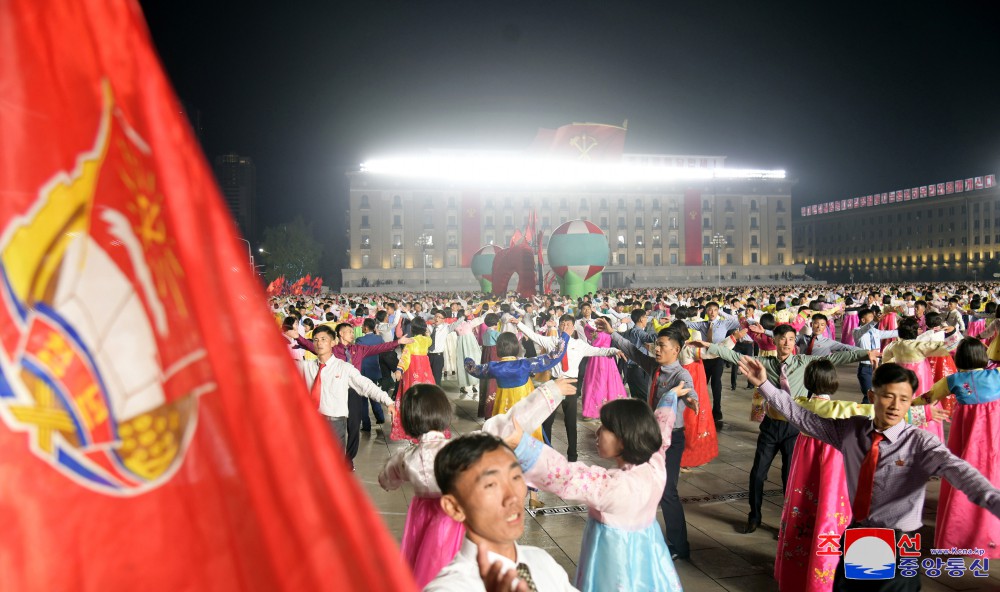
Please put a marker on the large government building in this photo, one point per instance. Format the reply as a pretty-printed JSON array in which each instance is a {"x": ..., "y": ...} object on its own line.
[
  {"x": 670, "y": 219},
  {"x": 944, "y": 231}
]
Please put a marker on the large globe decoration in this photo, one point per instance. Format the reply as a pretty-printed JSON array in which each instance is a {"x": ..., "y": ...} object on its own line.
[
  {"x": 482, "y": 267},
  {"x": 578, "y": 252}
]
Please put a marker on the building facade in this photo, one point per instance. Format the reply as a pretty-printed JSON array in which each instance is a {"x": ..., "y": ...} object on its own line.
[
  {"x": 660, "y": 232},
  {"x": 945, "y": 231},
  {"x": 237, "y": 178}
]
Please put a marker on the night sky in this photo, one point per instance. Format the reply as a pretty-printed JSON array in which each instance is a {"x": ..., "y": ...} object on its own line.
[{"x": 850, "y": 100}]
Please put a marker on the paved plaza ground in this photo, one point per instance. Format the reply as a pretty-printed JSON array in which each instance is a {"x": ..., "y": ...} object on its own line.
[{"x": 722, "y": 557}]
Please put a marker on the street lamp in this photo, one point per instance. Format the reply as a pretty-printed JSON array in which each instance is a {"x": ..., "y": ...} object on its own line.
[
  {"x": 719, "y": 241},
  {"x": 424, "y": 241},
  {"x": 249, "y": 250}
]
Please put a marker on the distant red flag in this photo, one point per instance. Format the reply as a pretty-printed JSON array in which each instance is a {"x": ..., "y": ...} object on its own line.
[
  {"x": 517, "y": 238},
  {"x": 155, "y": 433},
  {"x": 529, "y": 229}
]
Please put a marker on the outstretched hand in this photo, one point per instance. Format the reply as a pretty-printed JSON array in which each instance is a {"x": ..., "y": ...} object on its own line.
[
  {"x": 405, "y": 340},
  {"x": 939, "y": 414},
  {"x": 874, "y": 355},
  {"x": 753, "y": 370},
  {"x": 495, "y": 578},
  {"x": 514, "y": 438},
  {"x": 602, "y": 325},
  {"x": 567, "y": 386}
]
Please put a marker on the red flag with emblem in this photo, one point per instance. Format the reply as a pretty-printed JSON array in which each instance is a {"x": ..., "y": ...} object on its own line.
[{"x": 155, "y": 433}]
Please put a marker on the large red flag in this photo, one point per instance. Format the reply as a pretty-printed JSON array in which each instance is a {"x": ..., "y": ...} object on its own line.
[{"x": 155, "y": 433}]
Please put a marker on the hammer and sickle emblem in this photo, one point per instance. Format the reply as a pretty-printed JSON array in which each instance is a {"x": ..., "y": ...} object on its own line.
[{"x": 584, "y": 144}]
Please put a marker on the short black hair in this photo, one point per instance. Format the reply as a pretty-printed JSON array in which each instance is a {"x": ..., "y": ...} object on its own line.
[
  {"x": 418, "y": 326},
  {"x": 908, "y": 328},
  {"x": 368, "y": 324},
  {"x": 971, "y": 354},
  {"x": 460, "y": 454},
  {"x": 673, "y": 334},
  {"x": 933, "y": 319},
  {"x": 821, "y": 378},
  {"x": 342, "y": 326},
  {"x": 491, "y": 319},
  {"x": 865, "y": 312},
  {"x": 819, "y": 317},
  {"x": 632, "y": 421},
  {"x": 767, "y": 321},
  {"x": 892, "y": 373},
  {"x": 567, "y": 318},
  {"x": 324, "y": 329},
  {"x": 780, "y": 330},
  {"x": 637, "y": 313},
  {"x": 288, "y": 323},
  {"x": 424, "y": 408},
  {"x": 507, "y": 345}
]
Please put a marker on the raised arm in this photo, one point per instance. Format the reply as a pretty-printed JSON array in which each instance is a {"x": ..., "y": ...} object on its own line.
[
  {"x": 548, "y": 360},
  {"x": 820, "y": 428},
  {"x": 725, "y": 353},
  {"x": 849, "y": 356},
  {"x": 547, "y": 342},
  {"x": 647, "y": 362},
  {"x": 477, "y": 370},
  {"x": 368, "y": 389},
  {"x": 393, "y": 474}
]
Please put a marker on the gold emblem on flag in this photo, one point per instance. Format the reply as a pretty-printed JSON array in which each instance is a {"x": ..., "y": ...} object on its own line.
[{"x": 89, "y": 293}]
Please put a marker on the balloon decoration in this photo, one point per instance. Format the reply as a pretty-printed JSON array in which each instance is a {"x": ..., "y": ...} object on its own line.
[
  {"x": 519, "y": 258},
  {"x": 578, "y": 251},
  {"x": 482, "y": 267}
]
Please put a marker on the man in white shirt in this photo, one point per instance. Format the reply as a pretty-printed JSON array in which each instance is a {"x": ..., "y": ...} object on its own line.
[
  {"x": 329, "y": 378},
  {"x": 482, "y": 487}
]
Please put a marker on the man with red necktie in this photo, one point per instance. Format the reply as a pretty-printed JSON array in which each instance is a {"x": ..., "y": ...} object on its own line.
[{"x": 886, "y": 450}]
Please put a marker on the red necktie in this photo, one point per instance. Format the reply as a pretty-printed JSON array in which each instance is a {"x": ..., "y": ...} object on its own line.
[
  {"x": 809, "y": 350},
  {"x": 652, "y": 386},
  {"x": 317, "y": 386},
  {"x": 866, "y": 480},
  {"x": 565, "y": 360}
]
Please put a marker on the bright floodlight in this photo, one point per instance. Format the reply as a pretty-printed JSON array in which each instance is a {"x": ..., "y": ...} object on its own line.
[{"x": 492, "y": 168}]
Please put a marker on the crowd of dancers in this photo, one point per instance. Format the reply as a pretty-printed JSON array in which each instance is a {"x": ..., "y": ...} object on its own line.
[{"x": 646, "y": 367}]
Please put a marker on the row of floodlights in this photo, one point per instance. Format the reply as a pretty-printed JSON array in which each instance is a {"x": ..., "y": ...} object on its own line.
[{"x": 535, "y": 170}]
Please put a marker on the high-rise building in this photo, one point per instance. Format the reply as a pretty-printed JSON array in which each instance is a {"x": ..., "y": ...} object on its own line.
[
  {"x": 944, "y": 231},
  {"x": 237, "y": 179},
  {"x": 669, "y": 219}
]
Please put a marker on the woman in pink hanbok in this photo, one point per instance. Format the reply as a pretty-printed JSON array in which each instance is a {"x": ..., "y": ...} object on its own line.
[
  {"x": 431, "y": 538},
  {"x": 974, "y": 437},
  {"x": 604, "y": 383},
  {"x": 911, "y": 353},
  {"x": 622, "y": 547},
  {"x": 816, "y": 498}
]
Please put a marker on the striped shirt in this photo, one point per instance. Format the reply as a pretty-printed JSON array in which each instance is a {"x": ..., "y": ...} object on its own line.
[{"x": 908, "y": 456}]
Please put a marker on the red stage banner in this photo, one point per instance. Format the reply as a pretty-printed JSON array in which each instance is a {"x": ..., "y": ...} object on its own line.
[
  {"x": 582, "y": 141},
  {"x": 156, "y": 434},
  {"x": 692, "y": 227},
  {"x": 471, "y": 223}
]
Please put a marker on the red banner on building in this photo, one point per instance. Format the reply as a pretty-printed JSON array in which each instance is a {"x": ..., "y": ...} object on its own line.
[
  {"x": 155, "y": 433},
  {"x": 692, "y": 227},
  {"x": 472, "y": 240},
  {"x": 582, "y": 141}
]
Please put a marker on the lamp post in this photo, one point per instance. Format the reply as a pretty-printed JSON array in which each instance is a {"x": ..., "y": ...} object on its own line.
[
  {"x": 424, "y": 241},
  {"x": 719, "y": 241},
  {"x": 249, "y": 250}
]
